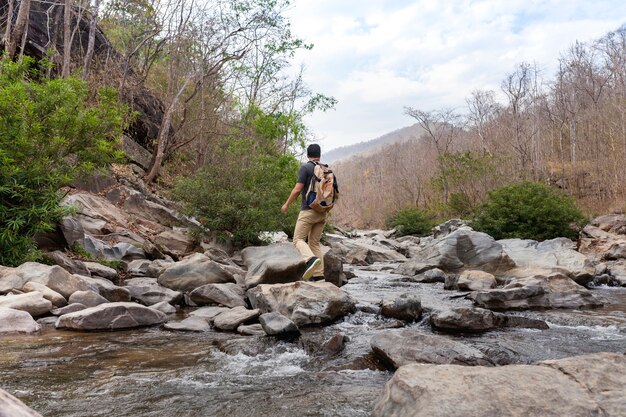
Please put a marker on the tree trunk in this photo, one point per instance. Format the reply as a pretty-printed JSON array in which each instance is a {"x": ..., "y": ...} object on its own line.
[
  {"x": 92, "y": 38},
  {"x": 67, "y": 39},
  {"x": 20, "y": 27},
  {"x": 7, "y": 33}
]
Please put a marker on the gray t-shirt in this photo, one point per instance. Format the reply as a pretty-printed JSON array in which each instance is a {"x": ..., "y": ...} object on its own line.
[{"x": 304, "y": 177}]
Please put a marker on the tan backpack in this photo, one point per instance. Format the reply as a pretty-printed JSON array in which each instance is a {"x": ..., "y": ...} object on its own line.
[{"x": 323, "y": 191}]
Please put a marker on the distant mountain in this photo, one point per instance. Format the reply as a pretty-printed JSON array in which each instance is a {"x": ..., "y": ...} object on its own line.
[{"x": 400, "y": 135}]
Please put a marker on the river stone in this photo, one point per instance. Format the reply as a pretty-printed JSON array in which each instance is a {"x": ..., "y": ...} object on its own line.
[
  {"x": 148, "y": 292},
  {"x": 193, "y": 272},
  {"x": 57, "y": 299},
  {"x": 33, "y": 303},
  {"x": 407, "y": 307},
  {"x": 17, "y": 321},
  {"x": 103, "y": 271},
  {"x": 227, "y": 295},
  {"x": 231, "y": 319},
  {"x": 366, "y": 254},
  {"x": 537, "y": 292},
  {"x": 87, "y": 298},
  {"x": 111, "y": 316},
  {"x": 398, "y": 348},
  {"x": 9, "y": 280},
  {"x": 470, "y": 281},
  {"x": 70, "y": 308},
  {"x": 251, "y": 330},
  {"x": 53, "y": 277},
  {"x": 12, "y": 407},
  {"x": 273, "y": 264},
  {"x": 590, "y": 385},
  {"x": 275, "y": 324},
  {"x": 164, "y": 307},
  {"x": 465, "y": 319},
  {"x": 466, "y": 249},
  {"x": 304, "y": 303},
  {"x": 209, "y": 313},
  {"x": 333, "y": 268},
  {"x": 108, "y": 290},
  {"x": 190, "y": 324},
  {"x": 414, "y": 267},
  {"x": 70, "y": 265},
  {"x": 430, "y": 276}
]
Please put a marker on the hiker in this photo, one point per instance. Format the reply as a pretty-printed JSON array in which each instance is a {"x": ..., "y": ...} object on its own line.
[{"x": 317, "y": 187}]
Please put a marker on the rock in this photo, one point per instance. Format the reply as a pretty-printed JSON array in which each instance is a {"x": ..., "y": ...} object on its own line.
[
  {"x": 231, "y": 319},
  {"x": 164, "y": 307},
  {"x": 227, "y": 295},
  {"x": 591, "y": 385},
  {"x": 430, "y": 276},
  {"x": 33, "y": 303},
  {"x": 96, "y": 215},
  {"x": 335, "y": 344},
  {"x": 304, "y": 303},
  {"x": 466, "y": 249},
  {"x": 537, "y": 292},
  {"x": 407, "y": 307},
  {"x": 175, "y": 242},
  {"x": 157, "y": 267},
  {"x": 111, "y": 316},
  {"x": 414, "y": 267},
  {"x": 272, "y": 264},
  {"x": 136, "y": 153},
  {"x": 108, "y": 290},
  {"x": 611, "y": 223},
  {"x": 103, "y": 271},
  {"x": 450, "y": 226},
  {"x": 70, "y": 265},
  {"x": 398, "y": 348},
  {"x": 48, "y": 321},
  {"x": 96, "y": 182},
  {"x": 360, "y": 252},
  {"x": 464, "y": 319},
  {"x": 275, "y": 324},
  {"x": 10, "y": 280},
  {"x": 251, "y": 330},
  {"x": 148, "y": 292},
  {"x": 139, "y": 205},
  {"x": 121, "y": 251},
  {"x": 71, "y": 308},
  {"x": 140, "y": 268},
  {"x": 616, "y": 251},
  {"x": 208, "y": 313},
  {"x": 87, "y": 298},
  {"x": 190, "y": 324},
  {"x": 12, "y": 407},
  {"x": 333, "y": 269},
  {"x": 53, "y": 277},
  {"x": 16, "y": 321},
  {"x": 193, "y": 272},
  {"x": 72, "y": 231},
  {"x": 55, "y": 298},
  {"x": 470, "y": 281}
]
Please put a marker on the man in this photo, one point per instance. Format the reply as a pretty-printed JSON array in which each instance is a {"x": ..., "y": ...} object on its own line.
[{"x": 310, "y": 223}]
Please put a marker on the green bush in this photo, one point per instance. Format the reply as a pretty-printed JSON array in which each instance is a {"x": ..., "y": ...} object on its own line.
[
  {"x": 51, "y": 132},
  {"x": 529, "y": 210},
  {"x": 411, "y": 221}
]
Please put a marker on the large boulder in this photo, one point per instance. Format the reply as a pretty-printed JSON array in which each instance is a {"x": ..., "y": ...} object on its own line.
[
  {"x": 33, "y": 303},
  {"x": 16, "y": 321},
  {"x": 176, "y": 242},
  {"x": 273, "y": 264},
  {"x": 470, "y": 281},
  {"x": 275, "y": 324},
  {"x": 304, "y": 303},
  {"x": 231, "y": 319},
  {"x": 148, "y": 292},
  {"x": 208, "y": 313},
  {"x": 227, "y": 295},
  {"x": 55, "y": 298},
  {"x": 367, "y": 250},
  {"x": 12, "y": 407},
  {"x": 415, "y": 267},
  {"x": 111, "y": 316},
  {"x": 406, "y": 307},
  {"x": 190, "y": 324},
  {"x": 70, "y": 265},
  {"x": 333, "y": 268},
  {"x": 9, "y": 280},
  {"x": 98, "y": 270},
  {"x": 193, "y": 272},
  {"x": 107, "y": 289},
  {"x": 140, "y": 206},
  {"x": 537, "y": 292},
  {"x": 470, "y": 320},
  {"x": 122, "y": 251},
  {"x": 53, "y": 277},
  {"x": 398, "y": 348},
  {"x": 591, "y": 385},
  {"x": 87, "y": 298},
  {"x": 96, "y": 214}
]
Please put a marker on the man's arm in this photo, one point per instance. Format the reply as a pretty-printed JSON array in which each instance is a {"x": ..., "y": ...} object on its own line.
[{"x": 292, "y": 197}]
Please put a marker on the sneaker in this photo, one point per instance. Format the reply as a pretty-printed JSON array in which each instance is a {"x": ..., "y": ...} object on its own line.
[
  {"x": 311, "y": 264},
  {"x": 317, "y": 278}
]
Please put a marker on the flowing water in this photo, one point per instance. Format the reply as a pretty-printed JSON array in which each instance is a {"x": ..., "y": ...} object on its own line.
[{"x": 151, "y": 372}]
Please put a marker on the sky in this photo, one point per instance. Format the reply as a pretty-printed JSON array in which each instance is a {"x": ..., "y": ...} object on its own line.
[{"x": 378, "y": 56}]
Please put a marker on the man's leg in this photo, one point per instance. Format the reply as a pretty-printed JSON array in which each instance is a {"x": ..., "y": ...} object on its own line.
[
  {"x": 314, "y": 242},
  {"x": 301, "y": 233}
]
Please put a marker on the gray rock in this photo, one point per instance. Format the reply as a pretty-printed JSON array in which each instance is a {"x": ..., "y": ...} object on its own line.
[
  {"x": 407, "y": 307},
  {"x": 414, "y": 267},
  {"x": 251, "y": 330},
  {"x": 335, "y": 344},
  {"x": 103, "y": 271},
  {"x": 12, "y": 407},
  {"x": 70, "y": 308},
  {"x": 70, "y": 265},
  {"x": 107, "y": 289},
  {"x": 209, "y": 313},
  {"x": 87, "y": 298},
  {"x": 470, "y": 281},
  {"x": 33, "y": 303},
  {"x": 121, "y": 251},
  {"x": 96, "y": 215},
  {"x": 591, "y": 385},
  {"x": 190, "y": 324},
  {"x": 139, "y": 205},
  {"x": 111, "y": 316},
  {"x": 272, "y": 264},
  {"x": 164, "y": 307},
  {"x": 9, "y": 280},
  {"x": 53, "y": 277},
  {"x": 227, "y": 295},
  {"x": 464, "y": 319},
  {"x": 398, "y": 348},
  {"x": 139, "y": 268},
  {"x": 304, "y": 303},
  {"x": 55, "y": 298},
  {"x": 16, "y": 321},
  {"x": 275, "y": 324},
  {"x": 136, "y": 153},
  {"x": 333, "y": 268},
  {"x": 148, "y": 292},
  {"x": 175, "y": 242},
  {"x": 193, "y": 272},
  {"x": 430, "y": 276},
  {"x": 450, "y": 226},
  {"x": 231, "y": 319},
  {"x": 157, "y": 267}
]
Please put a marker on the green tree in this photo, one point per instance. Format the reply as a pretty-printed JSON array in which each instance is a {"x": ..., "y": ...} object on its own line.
[
  {"x": 529, "y": 210},
  {"x": 51, "y": 132},
  {"x": 411, "y": 221}
]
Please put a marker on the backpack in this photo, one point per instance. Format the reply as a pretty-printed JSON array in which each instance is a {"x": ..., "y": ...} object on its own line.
[{"x": 323, "y": 191}]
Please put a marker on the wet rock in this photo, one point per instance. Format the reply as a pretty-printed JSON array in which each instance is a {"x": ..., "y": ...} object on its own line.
[
  {"x": 103, "y": 271},
  {"x": 57, "y": 299},
  {"x": 407, "y": 307},
  {"x": 53, "y": 277},
  {"x": 251, "y": 330},
  {"x": 275, "y": 324},
  {"x": 12, "y": 407},
  {"x": 470, "y": 281},
  {"x": 148, "y": 292},
  {"x": 70, "y": 265},
  {"x": 164, "y": 307},
  {"x": 87, "y": 298},
  {"x": 231, "y": 319},
  {"x": 468, "y": 319},
  {"x": 108, "y": 290},
  {"x": 591, "y": 385},
  {"x": 430, "y": 276},
  {"x": 33, "y": 303},
  {"x": 304, "y": 303},
  {"x": 111, "y": 316},
  {"x": 335, "y": 344},
  {"x": 398, "y": 348},
  {"x": 209, "y": 313},
  {"x": 70, "y": 308},
  {"x": 227, "y": 295},
  {"x": 333, "y": 269},
  {"x": 190, "y": 324},
  {"x": 16, "y": 321},
  {"x": 537, "y": 292},
  {"x": 193, "y": 272},
  {"x": 272, "y": 264}
]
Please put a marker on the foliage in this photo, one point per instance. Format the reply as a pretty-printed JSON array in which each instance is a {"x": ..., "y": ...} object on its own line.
[
  {"x": 50, "y": 133},
  {"x": 411, "y": 221},
  {"x": 529, "y": 210}
]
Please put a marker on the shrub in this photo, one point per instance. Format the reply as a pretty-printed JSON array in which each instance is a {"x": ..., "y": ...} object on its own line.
[
  {"x": 411, "y": 221},
  {"x": 50, "y": 133},
  {"x": 529, "y": 210}
]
